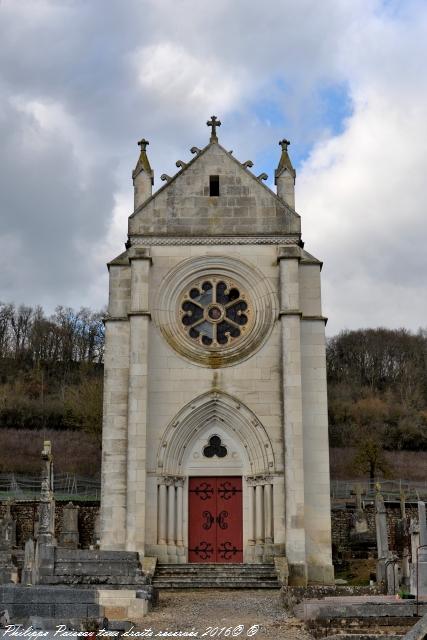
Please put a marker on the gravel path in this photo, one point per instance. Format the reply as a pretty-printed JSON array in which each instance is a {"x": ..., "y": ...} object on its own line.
[{"x": 198, "y": 610}]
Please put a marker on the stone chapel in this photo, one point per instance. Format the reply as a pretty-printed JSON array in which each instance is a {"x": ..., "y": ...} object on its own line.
[{"x": 215, "y": 432}]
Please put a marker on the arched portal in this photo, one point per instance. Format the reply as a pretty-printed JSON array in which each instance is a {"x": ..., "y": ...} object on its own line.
[
  {"x": 235, "y": 419},
  {"x": 215, "y": 444}
]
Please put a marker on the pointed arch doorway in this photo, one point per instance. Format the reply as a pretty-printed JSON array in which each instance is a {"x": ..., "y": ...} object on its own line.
[{"x": 215, "y": 443}]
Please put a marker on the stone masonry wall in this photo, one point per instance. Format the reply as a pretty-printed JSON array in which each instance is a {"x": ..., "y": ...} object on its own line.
[
  {"x": 244, "y": 206},
  {"x": 342, "y": 522},
  {"x": 25, "y": 513}
]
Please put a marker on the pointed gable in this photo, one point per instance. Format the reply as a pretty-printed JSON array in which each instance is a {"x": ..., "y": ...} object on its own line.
[{"x": 184, "y": 206}]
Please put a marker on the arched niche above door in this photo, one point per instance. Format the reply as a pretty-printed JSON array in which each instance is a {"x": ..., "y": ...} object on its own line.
[{"x": 237, "y": 422}]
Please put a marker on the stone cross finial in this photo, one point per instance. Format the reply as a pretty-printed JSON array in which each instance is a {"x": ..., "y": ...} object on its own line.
[
  {"x": 284, "y": 144},
  {"x": 214, "y": 123},
  {"x": 143, "y": 144}
]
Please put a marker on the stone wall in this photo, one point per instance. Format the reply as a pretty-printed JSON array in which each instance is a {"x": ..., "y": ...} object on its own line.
[
  {"x": 25, "y": 514},
  {"x": 342, "y": 522}
]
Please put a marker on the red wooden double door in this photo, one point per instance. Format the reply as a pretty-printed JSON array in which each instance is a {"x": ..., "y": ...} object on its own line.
[{"x": 215, "y": 532}]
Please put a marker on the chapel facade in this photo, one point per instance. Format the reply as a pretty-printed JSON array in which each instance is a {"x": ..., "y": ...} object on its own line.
[{"x": 215, "y": 432}]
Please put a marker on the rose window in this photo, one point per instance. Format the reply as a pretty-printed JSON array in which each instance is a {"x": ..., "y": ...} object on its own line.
[{"x": 215, "y": 312}]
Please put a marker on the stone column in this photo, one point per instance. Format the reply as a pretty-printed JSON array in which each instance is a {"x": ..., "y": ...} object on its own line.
[
  {"x": 46, "y": 543},
  {"x": 114, "y": 422},
  {"x": 171, "y": 513},
  {"x": 251, "y": 505},
  {"x": 259, "y": 514},
  {"x": 382, "y": 536},
  {"x": 46, "y": 512},
  {"x": 268, "y": 504},
  {"x": 290, "y": 315},
  {"x": 137, "y": 403},
  {"x": 422, "y": 523},
  {"x": 422, "y": 553},
  {"x": 179, "y": 512},
  {"x": 162, "y": 513}
]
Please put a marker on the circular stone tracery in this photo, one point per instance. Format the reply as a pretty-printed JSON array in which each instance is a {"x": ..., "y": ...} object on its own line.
[{"x": 215, "y": 312}]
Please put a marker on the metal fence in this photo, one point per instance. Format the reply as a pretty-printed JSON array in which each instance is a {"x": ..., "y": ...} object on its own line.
[
  {"x": 66, "y": 486},
  {"x": 390, "y": 490}
]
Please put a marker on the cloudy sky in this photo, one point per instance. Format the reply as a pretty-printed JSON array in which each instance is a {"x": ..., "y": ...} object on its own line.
[{"x": 345, "y": 80}]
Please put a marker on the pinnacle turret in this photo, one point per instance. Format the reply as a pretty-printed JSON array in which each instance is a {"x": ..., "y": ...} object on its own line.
[
  {"x": 142, "y": 175},
  {"x": 284, "y": 176}
]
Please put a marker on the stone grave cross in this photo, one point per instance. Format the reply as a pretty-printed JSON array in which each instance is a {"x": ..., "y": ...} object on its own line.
[
  {"x": 360, "y": 523},
  {"x": 382, "y": 536},
  {"x": 46, "y": 528},
  {"x": 358, "y": 491}
]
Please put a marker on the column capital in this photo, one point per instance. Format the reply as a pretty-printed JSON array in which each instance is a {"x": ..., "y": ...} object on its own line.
[
  {"x": 315, "y": 319},
  {"x": 288, "y": 252},
  {"x": 177, "y": 481},
  {"x": 259, "y": 479},
  {"x": 139, "y": 253},
  {"x": 139, "y": 313}
]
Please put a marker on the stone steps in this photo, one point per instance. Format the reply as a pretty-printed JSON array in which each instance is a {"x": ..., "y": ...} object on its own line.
[
  {"x": 46, "y": 602},
  {"x": 215, "y": 576}
]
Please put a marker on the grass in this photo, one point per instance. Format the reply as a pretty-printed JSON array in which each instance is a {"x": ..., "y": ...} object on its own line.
[
  {"x": 77, "y": 452},
  {"x": 74, "y": 451}
]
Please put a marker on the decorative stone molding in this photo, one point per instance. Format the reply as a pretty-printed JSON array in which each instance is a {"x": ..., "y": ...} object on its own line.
[
  {"x": 148, "y": 241},
  {"x": 262, "y": 479},
  {"x": 167, "y": 309},
  {"x": 200, "y": 412},
  {"x": 315, "y": 319},
  {"x": 290, "y": 312},
  {"x": 108, "y": 318},
  {"x": 289, "y": 252},
  {"x": 170, "y": 480}
]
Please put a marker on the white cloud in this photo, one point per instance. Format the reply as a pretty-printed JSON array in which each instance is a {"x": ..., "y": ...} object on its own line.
[
  {"x": 52, "y": 121},
  {"x": 92, "y": 78},
  {"x": 363, "y": 193},
  {"x": 175, "y": 77}
]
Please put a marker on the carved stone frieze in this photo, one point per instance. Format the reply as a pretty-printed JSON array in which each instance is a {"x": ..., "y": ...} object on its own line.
[{"x": 148, "y": 241}]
